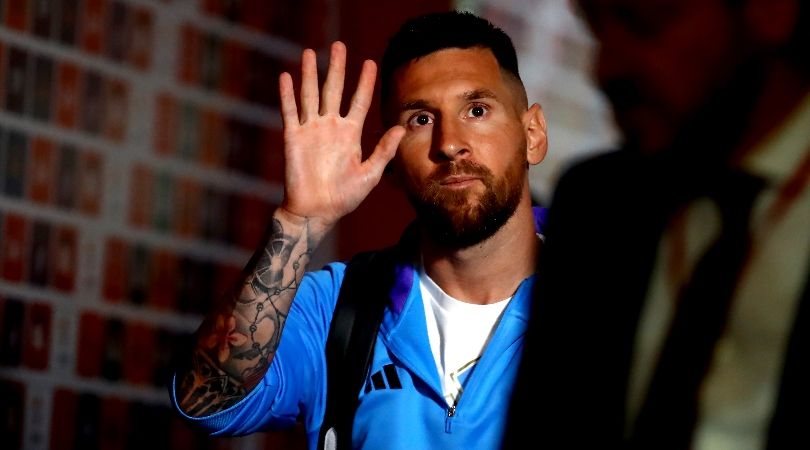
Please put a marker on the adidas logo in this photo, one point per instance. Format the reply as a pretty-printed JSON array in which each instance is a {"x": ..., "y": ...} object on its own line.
[{"x": 378, "y": 380}]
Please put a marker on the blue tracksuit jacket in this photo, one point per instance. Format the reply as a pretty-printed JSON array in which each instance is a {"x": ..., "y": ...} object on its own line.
[{"x": 402, "y": 406}]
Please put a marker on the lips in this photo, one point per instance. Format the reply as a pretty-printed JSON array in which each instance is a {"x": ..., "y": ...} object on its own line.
[
  {"x": 459, "y": 174},
  {"x": 455, "y": 180}
]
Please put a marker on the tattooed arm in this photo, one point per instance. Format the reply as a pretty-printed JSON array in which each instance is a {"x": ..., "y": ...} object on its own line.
[
  {"x": 236, "y": 343},
  {"x": 325, "y": 179}
]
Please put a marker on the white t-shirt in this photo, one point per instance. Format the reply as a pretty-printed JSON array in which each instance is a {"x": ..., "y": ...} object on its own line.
[{"x": 458, "y": 332}]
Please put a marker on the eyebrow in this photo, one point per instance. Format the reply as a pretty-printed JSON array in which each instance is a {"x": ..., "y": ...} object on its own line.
[
  {"x": 479, "y": 94},
  {"x": 476, "y": 94}
]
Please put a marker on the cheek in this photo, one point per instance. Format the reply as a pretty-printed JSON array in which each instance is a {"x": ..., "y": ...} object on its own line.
[
  {"x": 414, "y": 141},
  {"x": 502, "y": 144},
  {"x": 413, "y": 150}
]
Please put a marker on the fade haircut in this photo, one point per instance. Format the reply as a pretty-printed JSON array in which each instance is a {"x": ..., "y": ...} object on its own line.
[{"x": 429, "y": 33}]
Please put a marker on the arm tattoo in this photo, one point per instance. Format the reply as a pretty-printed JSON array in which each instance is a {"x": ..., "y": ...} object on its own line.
[{"x": 236, "y": 343}]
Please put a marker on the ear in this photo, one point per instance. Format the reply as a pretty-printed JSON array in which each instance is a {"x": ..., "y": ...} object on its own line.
[
  {"x": 772, "y": 22},
  {"x": 534, "y": 125}
]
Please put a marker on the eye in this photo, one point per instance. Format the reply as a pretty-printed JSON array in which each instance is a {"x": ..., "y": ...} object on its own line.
[
  {"x": 477, "y": 111},
  {"x": 420, "y": 120}
]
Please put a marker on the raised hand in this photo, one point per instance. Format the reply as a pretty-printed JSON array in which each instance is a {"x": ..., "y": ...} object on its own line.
[
  {"x": 325, "y": 179},
  {"x": 325, "y": 176}
]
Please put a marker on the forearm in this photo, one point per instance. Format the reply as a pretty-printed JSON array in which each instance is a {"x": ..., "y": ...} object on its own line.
[
  {"x": 325, "y": 178},
  {"x": 237, "y": 341}
]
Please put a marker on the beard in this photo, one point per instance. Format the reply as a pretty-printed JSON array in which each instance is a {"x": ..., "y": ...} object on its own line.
[{"x": 452, "y": 218}]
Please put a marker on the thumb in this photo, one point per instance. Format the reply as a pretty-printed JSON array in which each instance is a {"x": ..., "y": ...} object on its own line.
[{"x": 383, "y": 153}]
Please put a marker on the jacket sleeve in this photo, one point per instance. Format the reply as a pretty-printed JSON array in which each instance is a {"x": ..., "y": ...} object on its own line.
[{"x": 295, "y": 383}]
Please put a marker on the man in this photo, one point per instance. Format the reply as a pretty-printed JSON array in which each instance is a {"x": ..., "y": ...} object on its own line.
[
  {"x": 672, "y": 292},
  {"x": 461, "y": 141}
]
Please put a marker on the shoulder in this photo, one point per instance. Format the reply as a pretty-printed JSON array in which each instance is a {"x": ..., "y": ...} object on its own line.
[{"x": 323, "y": 283}]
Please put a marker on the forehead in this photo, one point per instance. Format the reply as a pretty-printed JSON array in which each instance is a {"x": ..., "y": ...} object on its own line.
[{"x": 448, "y": 72}]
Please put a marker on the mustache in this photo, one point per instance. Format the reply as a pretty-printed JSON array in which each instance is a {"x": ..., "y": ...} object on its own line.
[{"x": 460, "y": 167}]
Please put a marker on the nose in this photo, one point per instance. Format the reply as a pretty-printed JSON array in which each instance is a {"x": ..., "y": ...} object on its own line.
[{"x": 450, "y": 141}]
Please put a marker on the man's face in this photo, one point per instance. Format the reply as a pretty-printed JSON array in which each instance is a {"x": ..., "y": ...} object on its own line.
[
  {"x": 661, "y": 60},
  {"x": 463, "y": 160}
]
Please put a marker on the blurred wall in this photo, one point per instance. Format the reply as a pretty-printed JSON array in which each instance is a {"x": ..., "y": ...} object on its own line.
[{"x": 140, "y": 158}]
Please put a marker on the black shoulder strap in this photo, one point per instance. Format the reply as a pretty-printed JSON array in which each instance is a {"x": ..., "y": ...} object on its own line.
[{"x": 363, "y": 296}]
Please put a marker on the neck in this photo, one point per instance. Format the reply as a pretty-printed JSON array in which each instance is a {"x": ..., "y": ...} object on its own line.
[{"x": 492, "y": 269}]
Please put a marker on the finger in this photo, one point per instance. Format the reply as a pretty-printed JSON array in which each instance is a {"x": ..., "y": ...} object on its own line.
[
  {"x": 333, "y": 86},
  {"x": 289, "y": 112},
  {"x": 361, "y": 100},
  {"x": 383, "y": 153},
  {"x": 309, "y": 85}
]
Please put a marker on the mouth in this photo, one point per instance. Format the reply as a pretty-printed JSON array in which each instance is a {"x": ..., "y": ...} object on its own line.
[{"x": 458, "y": 181}]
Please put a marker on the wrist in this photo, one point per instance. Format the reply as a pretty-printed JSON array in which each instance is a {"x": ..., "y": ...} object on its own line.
[{"x": 317, "y": 227}]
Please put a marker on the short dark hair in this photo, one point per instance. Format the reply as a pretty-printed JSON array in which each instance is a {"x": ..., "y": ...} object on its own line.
[{"x": 429, "y": 33}]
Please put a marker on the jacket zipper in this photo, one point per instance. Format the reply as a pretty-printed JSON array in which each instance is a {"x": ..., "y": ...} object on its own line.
[{"x": 451, "y": 412}]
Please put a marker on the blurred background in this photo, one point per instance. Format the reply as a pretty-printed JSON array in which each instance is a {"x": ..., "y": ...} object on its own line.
[{"x": 140, "y": 158}]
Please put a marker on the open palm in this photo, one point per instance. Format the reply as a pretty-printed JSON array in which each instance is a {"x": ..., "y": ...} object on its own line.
[{"x": 325, "y": 176}]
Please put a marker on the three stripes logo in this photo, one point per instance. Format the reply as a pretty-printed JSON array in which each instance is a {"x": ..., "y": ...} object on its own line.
[{"x": 386, "y": 378}]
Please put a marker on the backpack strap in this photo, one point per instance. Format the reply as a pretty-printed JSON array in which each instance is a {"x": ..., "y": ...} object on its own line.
[{"x": 364, "y": 294}]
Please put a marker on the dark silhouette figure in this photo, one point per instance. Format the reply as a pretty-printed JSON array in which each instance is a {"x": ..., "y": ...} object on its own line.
[{"x": 671, "y": 309}]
